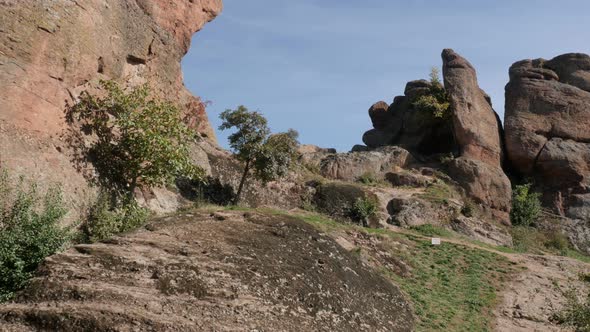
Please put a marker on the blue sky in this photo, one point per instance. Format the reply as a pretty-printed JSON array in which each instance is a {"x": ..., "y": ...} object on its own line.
[{"x": 318, "y": 65}]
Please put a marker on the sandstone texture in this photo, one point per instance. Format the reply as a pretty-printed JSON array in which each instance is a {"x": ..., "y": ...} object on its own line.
[
  {"x": 224, "y": 271},
  {"x": 475, "y": 124},
  {"x": 469, "y": 139},
  {"x": 546, "y": 123},
  {"x": 547, "y": 137},
  {"x": 52, "y": 50},
  {"x": 351, "y": 166}
]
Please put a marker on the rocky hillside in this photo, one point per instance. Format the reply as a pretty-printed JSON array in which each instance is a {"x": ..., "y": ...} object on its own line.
[
  {"x": 52, "y": 50},
  {"x": 224, "y": 271}
]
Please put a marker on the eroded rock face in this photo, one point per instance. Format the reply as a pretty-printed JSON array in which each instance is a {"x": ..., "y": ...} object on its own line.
[
  {"x": 201, "y": 272},
  {"x": 472, "y": 131},
  {"x": 546, "y": 122},
  {"x": 476, "y": 126},
  {"x": 52, "y": 50},
  {"x": 400, "y": 124},
  {"x": 350, "y": 166}
]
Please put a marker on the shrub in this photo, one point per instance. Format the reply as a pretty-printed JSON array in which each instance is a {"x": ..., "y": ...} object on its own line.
[
  {"x": 468, "y": 209},
  {"x": 363, "y": 209},
  {"x": 211, "y": 191},
  {"x": 576, "y": 312},
  {"x": 557, "y": 241},
  {"x": 526, "y": 206},
  {"x": 436, "y": 101},
  {"x": 111, "y": 215},
  {"x": 29, "y": 231},
  {"x": 139, "y": 140},
  {"x": 368, "y": 179},
  {"x": 336, "y": 199}
]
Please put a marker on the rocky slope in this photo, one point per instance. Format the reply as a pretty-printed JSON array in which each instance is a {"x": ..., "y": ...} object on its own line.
[
  {"x": 52, "y": 50},
  {"x": 225, "y": 271}
]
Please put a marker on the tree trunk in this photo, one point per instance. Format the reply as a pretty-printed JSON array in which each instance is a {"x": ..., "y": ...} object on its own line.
[{"x": 241, "y": 186}]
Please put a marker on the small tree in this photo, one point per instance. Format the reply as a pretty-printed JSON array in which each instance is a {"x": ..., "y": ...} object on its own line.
[
  {"x": 269, "y": 156},
  {"x": 139, "y": 141},
  {"x": 435, "y": 102},
  {"x": 526, "y": 206}
]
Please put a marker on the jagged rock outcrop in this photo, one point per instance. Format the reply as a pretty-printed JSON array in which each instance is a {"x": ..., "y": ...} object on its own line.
[
  {"x": 547, "y": 138},
  {"x": 52, "y": 50},
  {"x": 400, "y": 124},
  {"x": 471, "y": 132},
  {"x": 476, "y": 126},
  {"x": 477, "y": 130},
  {"x": 224, "y": 271}
]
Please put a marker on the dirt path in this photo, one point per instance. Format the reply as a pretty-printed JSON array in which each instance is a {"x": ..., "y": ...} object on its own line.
[{"x": 528, "y": 302}]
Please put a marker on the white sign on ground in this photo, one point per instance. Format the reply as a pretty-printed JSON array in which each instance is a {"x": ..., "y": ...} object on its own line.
[{"x": 436, "y": 241}]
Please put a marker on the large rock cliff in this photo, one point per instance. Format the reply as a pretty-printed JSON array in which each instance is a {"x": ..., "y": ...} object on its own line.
[
  {"x": 547, "y": 136},
  {"x": 52, "y": 50}
]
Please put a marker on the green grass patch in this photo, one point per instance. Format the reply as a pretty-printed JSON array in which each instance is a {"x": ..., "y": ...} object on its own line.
[
  {"x": 432, "y": 230},
  {"x": 452, "y": 287}
]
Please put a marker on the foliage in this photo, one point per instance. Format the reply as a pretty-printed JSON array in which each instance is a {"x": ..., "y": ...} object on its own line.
[
  {"x": 111, "y": 215},
  {"x": 436, "y": 101},
  {"x": 269, "y": 156},
  {"x": 432, "y": 230},
  {"x": 469, "y": 209},
  {"x": 363, "y": 209},
  {"x": 368, "y": 179},
  {"x": 275, "y": 156},
  {"x": 139, "y": 140},
  {"x": 208, "y": 191},
  {"x": 526, "y": 206},
  {"x": 576, "y": 312},
  {"x": 29, "y": 231}
]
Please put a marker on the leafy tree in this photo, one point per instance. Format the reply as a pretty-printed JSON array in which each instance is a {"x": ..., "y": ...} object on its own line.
[
  {"x": 139, "y": 141},
  {"x": 268, "y": 156}
]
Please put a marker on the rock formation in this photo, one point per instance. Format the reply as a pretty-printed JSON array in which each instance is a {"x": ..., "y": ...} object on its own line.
[
  {"x": 52, "y": 50},
  {"x": 471, "y": 133},
  {"x": 547, "y": 137},
  {"x": 399, "y": 124},
  {"x": 200, "y": 272}
]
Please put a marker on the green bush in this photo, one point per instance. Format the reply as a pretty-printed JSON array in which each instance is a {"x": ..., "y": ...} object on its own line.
[
  {"x": 436, "y": 101},
  {"x": 368, "y": 179},
  {"x": 208, "y": 191},
  {"x": 29, "y": 231},
  {"x": 576, "y": 313},
  {"x": 363, "y": 209},
  {"x": 526, "y": 206},
  {"x": 111, "y": 215},
  {"x": 468, "y": 209},
  {"x": 139, "y": 141}
]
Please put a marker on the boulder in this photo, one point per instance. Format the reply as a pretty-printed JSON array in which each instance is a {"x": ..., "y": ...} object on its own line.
[
  {"x": 379, "y": 115},
  {"x": 338, "y": 199},
  {"x": 546, "y": 123},
  {"x": 484, "y": 184},
  {"x": 475, "y": 124},
  {"x": 350, "y": 166}
]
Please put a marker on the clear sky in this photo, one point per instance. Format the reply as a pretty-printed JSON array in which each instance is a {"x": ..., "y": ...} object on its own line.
[{"x": 318, "y": 65}]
